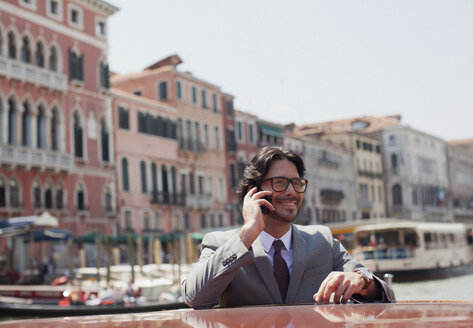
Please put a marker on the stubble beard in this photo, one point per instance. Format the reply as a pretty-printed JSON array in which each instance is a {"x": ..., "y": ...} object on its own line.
[{"x": 286, "y": 217}]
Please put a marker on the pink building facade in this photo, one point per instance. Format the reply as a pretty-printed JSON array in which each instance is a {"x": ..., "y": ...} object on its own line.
[
  {"x": 201, "y": 175},
  {"x": 56, "y": 149},
  {"x": 147, "y": 160}
]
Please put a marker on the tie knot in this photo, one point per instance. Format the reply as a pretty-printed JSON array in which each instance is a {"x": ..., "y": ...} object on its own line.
[{"x": 278, "y": 245}]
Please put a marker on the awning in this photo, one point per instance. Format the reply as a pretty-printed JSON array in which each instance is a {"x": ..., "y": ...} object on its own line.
[
  {"x": 271, "y": 130},
  {"x": 45, "y": 220},
  {"x": 48, "y": 235},
  {"x": 123, "y": 239},
  {"x": 19, "y": 225}
]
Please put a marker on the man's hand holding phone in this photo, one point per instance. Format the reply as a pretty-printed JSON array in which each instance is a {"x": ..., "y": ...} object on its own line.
[{"x": 253, "y": 214}]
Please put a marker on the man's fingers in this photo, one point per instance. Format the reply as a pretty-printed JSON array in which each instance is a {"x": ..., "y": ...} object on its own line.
[{"x": 341, "y": 290}]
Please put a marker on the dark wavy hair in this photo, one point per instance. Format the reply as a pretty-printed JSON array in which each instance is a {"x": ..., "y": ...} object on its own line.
[{"x": 259, "y": 166}]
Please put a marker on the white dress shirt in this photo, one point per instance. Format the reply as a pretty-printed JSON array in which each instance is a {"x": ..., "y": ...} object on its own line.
[{"x": 286, "y": 253}]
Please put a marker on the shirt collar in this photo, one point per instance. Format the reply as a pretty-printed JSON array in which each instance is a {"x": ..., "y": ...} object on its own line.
[{"x": 267, "y": 240}]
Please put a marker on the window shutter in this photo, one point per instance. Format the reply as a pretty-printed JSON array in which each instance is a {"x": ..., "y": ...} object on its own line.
[
  {"x": 80, "y": 68},
  {"x": 71, "y": 65},
  {"x": 107, "y": 77}
]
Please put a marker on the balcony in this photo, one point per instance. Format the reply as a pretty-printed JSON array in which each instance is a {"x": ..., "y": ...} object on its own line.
[
  {"x": 369, "y": 174},
  {"x": 31, "y": 157},
  {"x": 198, "y": 201},
  {"x": 167, "y": 198},
  {"x": 330, "y": 196},
  {"x": 191, "y": 145},
  {"x": 29, "y": 73},
  {"x": 328, "y": 163}
]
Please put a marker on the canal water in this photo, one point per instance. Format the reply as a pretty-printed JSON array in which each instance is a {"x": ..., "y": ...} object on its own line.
[{"x": 459, "y": 288}]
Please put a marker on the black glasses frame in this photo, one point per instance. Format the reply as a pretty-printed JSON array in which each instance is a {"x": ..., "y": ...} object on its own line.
[{"x": 303, "y": 181}]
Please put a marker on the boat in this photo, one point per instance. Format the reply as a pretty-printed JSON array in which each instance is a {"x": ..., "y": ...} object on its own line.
[
  {"x": 414, "y": 250},
  {"x": 26, "y": 308},
  {"x": 400, "y": 314}
]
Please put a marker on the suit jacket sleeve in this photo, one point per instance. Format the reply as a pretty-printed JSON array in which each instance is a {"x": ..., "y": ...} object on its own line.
[
  {"x": 219, "y": 261},
  {"x": 344, "y": 262}
]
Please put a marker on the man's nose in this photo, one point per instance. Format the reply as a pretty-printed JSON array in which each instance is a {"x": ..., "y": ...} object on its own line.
[{"x": 290, "y": 189}]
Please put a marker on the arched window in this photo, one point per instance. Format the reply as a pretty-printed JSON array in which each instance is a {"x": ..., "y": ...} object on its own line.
[
  {"x": 80, "y": 198},
  {"x": 11, "y": 45},
  {"x": 36, "y": 194},
  {"x": 107, "y": 199},
  {"x": 11, "y": 121},
  {"x": 397, "y": 195},
  {"x": 59, "y": 196},
  {"x": 41, "y": 128},
  {"x": 39, "y": 54},
  {"x": 26, "y": 125},
  {"x": 125, "y": 182},
  {"x": 164, "y": 174},
  {"x": 54, "y": 129},
  {"x": 75, "y": 66},
  {"x": 3, "y": 198},
  {"x": 104, "y": 137},
  {"x": 14, "y": 193},
  {"x": 394, "y": 161},
  {"x": 78, "y": 151},
  {"x": 144, "y": 185},
  {"x": 48, "y": 196},
  {"x": 26, "y": 50},
  {"x": 53, "y": 59}
]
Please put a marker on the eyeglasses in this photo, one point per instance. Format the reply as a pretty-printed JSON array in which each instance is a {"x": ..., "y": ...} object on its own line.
[{"x": 281, "y": 183}]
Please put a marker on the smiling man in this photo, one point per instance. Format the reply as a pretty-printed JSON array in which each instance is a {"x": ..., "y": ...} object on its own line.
[{"x": 270, "y": 260}]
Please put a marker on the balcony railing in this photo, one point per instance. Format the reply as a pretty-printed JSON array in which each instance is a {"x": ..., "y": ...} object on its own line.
[
  {"x": 331, "y": 196},
  {"x": 29, "y": 73},
  {"x": 328, "y": 163},
  {"x": 369, "y": 174},
  {"x": 198, "y": 201},
  {"x": 191, "y": 145},
  {"x": 16, "y": 155},
  {"x": 168, "y": 198}
]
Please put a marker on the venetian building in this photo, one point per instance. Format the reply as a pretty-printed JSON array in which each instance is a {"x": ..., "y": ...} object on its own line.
[
  {"x": 56, "y": 145},
  {"x": 200, "y": 172},
  {"x": 460, "y": 169},
  {"x": 330, "y": 195}
]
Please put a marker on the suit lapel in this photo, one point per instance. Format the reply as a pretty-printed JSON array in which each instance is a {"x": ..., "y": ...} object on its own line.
[
  {"x": 298, "y": 264},
  {"x": 266, "y": 272}
]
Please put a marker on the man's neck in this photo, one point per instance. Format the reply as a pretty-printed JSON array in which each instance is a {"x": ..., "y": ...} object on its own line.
[{"x": 276, "y": 228}]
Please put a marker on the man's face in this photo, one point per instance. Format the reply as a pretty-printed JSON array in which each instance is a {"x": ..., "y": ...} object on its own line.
[{"x": 287, "y": 202}]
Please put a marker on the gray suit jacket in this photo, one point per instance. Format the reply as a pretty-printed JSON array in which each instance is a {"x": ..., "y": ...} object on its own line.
[{"x": 229, "y": 274}]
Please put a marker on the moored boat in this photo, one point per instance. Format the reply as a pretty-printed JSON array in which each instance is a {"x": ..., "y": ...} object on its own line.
[{"x": 414, "y": 250}]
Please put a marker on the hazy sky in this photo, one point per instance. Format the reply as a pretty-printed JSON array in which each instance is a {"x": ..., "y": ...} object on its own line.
[{"x": 306, "y": 61}]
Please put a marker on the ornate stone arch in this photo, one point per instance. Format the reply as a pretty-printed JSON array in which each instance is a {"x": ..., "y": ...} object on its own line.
[
  {"x": 59, "y": 57},
  {"x": 16, "y": 42}
]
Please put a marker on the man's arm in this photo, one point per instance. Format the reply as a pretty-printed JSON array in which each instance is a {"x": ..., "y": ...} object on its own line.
[
  {"x": 215, "y": 269},
  {"x": 346, "y": 284},
  {"x": 219, "y": 262}
]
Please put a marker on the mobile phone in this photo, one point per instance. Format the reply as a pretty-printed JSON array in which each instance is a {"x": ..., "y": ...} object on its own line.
[{"x": 265, "y": 209}]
